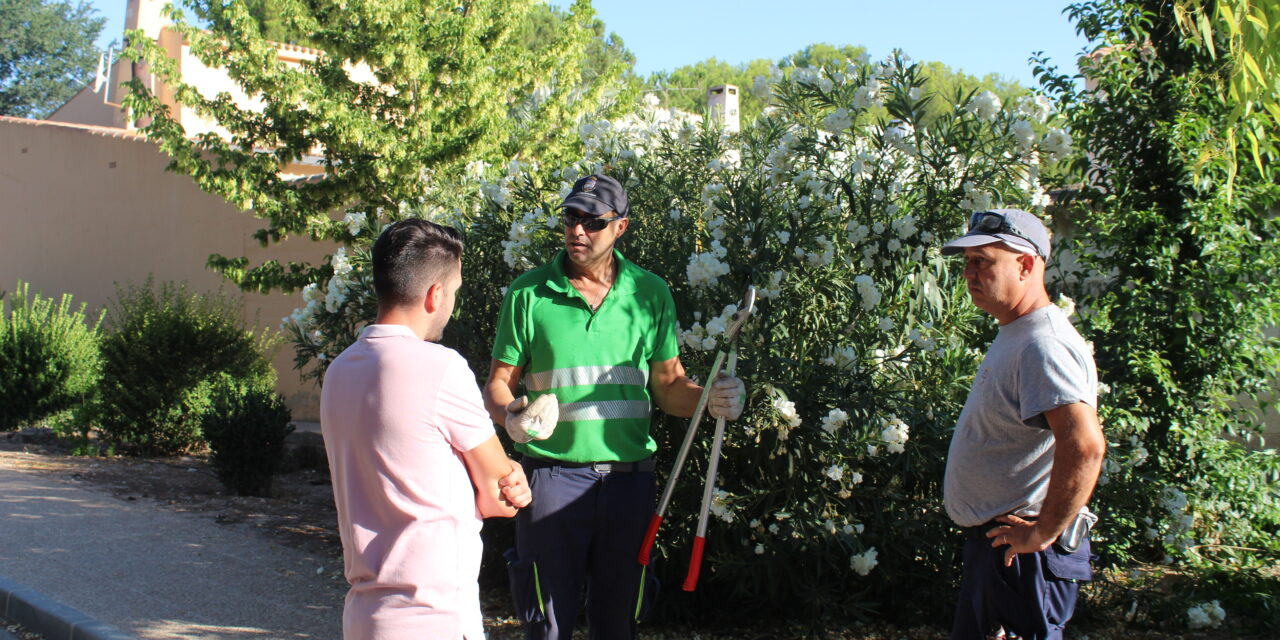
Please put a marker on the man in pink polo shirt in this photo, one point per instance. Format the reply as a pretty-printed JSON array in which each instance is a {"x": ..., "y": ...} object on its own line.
[{"x": 412, "y": 453}]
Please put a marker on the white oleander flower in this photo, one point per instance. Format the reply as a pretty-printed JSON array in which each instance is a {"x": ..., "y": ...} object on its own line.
[
  {"x": 886, "y": 325},
  {"x": 340, "y": 263},
  {"x": 721, "y": 506},
  {"x": 858, "y": 233},
  {"x": 906, "y": 226},
  {"x": 354, "y": 221},
  {"x": 786, "y": 408},
  {"x": 864, "y": 562},
  {"x": 1056, "y": 144},
  {"x": 898, "y": 135},
  {"x": 842, "y": 357},
  {"x": 867, "y": 291},
  {"x": 1067, "y": 305},
  {"x": 895, "y": 434},
  {"x": 1024, "y": 134},
  {"x": 705, "y": 269},
  {"x": 1207, "y": 615},
  {"x": 837, "y": 121},
  {"x": 1035, "y": 107},
  {"x": 759, "y": 547},
  {"x": 834, "y": 419},
  {"x": 867, "y": 95},
  {"x": 985, "y": 105},
  {"x": 835, "y": 472}
]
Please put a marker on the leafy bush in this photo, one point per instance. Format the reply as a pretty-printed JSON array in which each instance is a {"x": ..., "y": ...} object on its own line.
[
  {"x": 245, "y": 426},
  {"x": 164, "y": 347},
  {"x": 48, "y": 357},
  {"x": 833, "y": 206},
  {"x": 1178, "y": 252}
]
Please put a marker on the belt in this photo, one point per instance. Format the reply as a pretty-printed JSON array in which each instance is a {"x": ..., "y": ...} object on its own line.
[
  {"x": 980, "y": 531},
  {"x": 643, "y": 466}
]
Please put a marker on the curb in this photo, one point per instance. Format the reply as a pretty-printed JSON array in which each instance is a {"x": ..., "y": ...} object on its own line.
[{"x": 53, "y": 620}]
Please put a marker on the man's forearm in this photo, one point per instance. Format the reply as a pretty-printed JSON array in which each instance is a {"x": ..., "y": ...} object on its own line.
[
  {"x": 679, "y": 397},
  {"x": 1077, "y": 461},
  {"x": 496, "y": 398}
]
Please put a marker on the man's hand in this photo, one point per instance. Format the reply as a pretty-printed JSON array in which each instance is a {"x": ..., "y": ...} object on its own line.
[
  {"x": 515, "y": 487},
  {"x": 727, "y": 395},
  {"x": 535, "y": 421},
  {"x": 1020, "y": 535}
]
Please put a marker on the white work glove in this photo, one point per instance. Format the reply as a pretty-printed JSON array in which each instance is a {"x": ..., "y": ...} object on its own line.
[
  {"x": 727, "y": 395},
  {"x": 535, "y": 421}
]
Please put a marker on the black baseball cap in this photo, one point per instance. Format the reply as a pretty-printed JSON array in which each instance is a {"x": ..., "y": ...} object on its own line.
[{"x": 597, "y": 195}]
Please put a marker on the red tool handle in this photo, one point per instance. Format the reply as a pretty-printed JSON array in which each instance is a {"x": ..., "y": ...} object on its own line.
[
  {"x": 695, "y": 564},
  {"x": 647, "y": 546}
]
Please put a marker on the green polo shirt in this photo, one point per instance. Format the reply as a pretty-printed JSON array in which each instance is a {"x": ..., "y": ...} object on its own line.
[{"x": 597, "y": 363}]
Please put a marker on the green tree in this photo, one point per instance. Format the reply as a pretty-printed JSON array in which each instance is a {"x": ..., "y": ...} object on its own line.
[
  {"x": 1175, "y": 283},
  {"x": 448, "y": 84},
  {"x": 47, "y": 54},
  {"x": 685, "y": 87},
  {"x": 1247, "y": 34}
]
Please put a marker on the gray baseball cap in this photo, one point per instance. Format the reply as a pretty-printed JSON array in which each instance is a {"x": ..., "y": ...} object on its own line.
[{"x": 1017, "y": 229}]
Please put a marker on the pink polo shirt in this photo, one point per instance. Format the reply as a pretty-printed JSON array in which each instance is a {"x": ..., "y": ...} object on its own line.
[{"x": 396, "y": 412}]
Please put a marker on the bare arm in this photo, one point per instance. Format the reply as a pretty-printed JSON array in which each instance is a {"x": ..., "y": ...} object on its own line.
[
  {"x": 500, "y": 389},
  {"x": 675, "y": 393},
  {"x": 500, "y": 484},
  {"x": 1077, "y": 461}
]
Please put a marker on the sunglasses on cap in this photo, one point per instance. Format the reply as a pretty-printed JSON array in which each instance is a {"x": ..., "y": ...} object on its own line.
[
  {"x": 994, "y": 222},
  {"x": 589, "y": 223}
]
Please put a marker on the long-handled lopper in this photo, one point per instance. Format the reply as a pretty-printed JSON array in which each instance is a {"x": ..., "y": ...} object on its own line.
[{"x": 739, "y": 319}]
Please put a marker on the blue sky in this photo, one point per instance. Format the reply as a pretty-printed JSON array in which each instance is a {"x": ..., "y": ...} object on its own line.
[{"x": 988, "y": 36}]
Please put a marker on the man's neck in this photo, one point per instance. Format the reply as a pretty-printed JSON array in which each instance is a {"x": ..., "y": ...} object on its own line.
[
  {"x": 417, "y": 323},
  {"x": 602, "y": 271},
  {"x": 1031, "y": 303}
]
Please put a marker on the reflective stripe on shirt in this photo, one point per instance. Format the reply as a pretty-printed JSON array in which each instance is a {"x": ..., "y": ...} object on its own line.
[
  {"x": 604, "y": 410},
  {"x": 584, "y": 376}
]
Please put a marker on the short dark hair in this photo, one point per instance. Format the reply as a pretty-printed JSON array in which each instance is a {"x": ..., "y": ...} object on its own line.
[{"x": 410, "y": 256}]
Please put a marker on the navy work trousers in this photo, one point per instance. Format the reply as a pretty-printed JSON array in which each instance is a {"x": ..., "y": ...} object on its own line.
[
  {"x": 583, "y": 528},
  {"x": 1034, "y": 598}
]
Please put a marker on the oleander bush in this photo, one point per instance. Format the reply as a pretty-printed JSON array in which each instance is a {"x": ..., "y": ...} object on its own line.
[
  {"x": 245, "y": 426},
  {"x": 164, "y": 346},
  {"x": 833, "y": 205},
  {"x": 49, "y": 356}
]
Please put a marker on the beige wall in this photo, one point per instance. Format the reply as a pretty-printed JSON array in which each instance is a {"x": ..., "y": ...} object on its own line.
[{"x": 85, "y": 207}]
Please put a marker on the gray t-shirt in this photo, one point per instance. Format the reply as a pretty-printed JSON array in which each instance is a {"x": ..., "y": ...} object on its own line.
[{"x": 1002, "y": 450}]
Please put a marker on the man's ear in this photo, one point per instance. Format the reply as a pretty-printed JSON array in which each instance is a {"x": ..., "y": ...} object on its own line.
[
  {"x": 434, "y": 297},
  {"x": 1027, "y": 261}
]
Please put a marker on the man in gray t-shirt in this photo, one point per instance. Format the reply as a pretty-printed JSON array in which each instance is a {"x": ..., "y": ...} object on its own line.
[{"x": 1027, "y": 449}]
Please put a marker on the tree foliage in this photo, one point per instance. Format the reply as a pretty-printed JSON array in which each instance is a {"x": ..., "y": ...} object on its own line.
[
  {"x": 1175, "y": 280},
  {"x": 47, "y": 54},
  {"x": 398, "y": 100},
  {"x": 685, "y": 87},
  {"x": 1246, "y": 35}
]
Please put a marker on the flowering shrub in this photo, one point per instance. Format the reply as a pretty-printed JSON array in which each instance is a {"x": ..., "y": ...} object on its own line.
[{"x": 833, "y": 205}]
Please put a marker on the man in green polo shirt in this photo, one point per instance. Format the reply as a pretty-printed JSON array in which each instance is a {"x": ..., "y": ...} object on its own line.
[{"x": 593, "y": 338}]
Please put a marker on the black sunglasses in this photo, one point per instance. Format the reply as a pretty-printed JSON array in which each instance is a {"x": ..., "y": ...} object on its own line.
[
  {"x": 993, "y": 222},
  {"x": 588, "y": 223}
]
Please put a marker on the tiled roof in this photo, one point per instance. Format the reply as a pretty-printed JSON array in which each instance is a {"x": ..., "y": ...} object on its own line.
[{"x": 109, "y": 132}]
